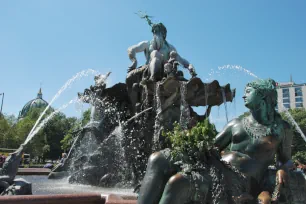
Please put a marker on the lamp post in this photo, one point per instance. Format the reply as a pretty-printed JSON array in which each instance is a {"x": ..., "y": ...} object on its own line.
[{"x": 1, "y": 103}]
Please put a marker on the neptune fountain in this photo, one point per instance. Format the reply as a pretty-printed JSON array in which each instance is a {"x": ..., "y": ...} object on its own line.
[
  {"x": 129, "y": 117},
  {"x": 124, "y": 144}
]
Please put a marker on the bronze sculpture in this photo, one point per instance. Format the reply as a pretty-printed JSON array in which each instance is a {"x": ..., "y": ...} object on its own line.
[
  {"x": 254, "y": 142},
  {"x": 157, "y": 52},
  {"x": 9, "y": 185}
]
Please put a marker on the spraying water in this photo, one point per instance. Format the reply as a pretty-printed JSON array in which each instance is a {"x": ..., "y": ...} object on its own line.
[
  {"x": 45, "y": 121},
  {"x": 297, "y": 127},
  {"x": 79, "y": 75},
  {"x": 239, "y": 68},
  {"x": 72, "y": 146}
]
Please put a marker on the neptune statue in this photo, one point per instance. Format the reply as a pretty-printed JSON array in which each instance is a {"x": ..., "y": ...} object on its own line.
[{"x": 157, "y": 52}]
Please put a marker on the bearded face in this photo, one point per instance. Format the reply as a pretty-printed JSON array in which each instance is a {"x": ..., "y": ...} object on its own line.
[{"x": 158, "y": 41}]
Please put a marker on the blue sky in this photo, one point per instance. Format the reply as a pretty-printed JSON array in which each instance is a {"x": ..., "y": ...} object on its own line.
[{"x": 49, "y": 41}]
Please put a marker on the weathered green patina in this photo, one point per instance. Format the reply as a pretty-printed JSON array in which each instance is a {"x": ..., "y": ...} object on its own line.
[
  {"x": 10, "y": 168},
  {"x": 239, "y": 175}
]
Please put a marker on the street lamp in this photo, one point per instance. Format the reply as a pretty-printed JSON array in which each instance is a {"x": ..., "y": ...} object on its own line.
[{"x": 1, "y": 103}]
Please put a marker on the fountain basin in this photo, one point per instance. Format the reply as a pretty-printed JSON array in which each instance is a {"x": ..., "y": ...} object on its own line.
[
  {"x": 33, "y": 171},
  {"x": 85, "y": 198},
  {"x": 60, "y": 191}
]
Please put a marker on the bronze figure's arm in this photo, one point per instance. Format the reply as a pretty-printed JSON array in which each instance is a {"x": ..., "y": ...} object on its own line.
[
  {"x": 224, "y": 138},
  {"x": 284, "y": 150},
  {"x": 140, "y": 47},
  {"x": 182, "y": 61},
  {"x": 283, "y": 156}
]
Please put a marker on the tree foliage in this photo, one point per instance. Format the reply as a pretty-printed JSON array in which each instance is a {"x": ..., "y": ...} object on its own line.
[
  {"x": 69, "y": 137},
  {"x": 86, "y": 117},
  {"x": 8, "y": 137},
  {"x": 49, "y": 142}
]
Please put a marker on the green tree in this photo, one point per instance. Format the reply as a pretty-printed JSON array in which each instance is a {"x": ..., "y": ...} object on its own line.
[
  {"x": 86, "y": 117},
  {"x": 75, "y": 125},
  {"x": 11, "y": 119},
  {"x": 23, "y": 128},
  {"x": 4, "y": 129},
  {"x": 8, "y": 137},
  {"x": 46, "y": 143},
  {"x": 298, "y": 143},
  {"x": 55, "y": 131},
  {"x": 67, "y": 141}
]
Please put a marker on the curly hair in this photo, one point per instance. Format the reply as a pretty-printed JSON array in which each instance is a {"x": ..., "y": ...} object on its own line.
[
  {"x": 267, "y": 89},
  {"x": 159, "y": 27}
]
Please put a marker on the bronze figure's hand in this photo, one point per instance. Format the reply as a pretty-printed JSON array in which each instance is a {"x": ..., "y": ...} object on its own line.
[
  {"x": 133, "y": 65},
  {"x": 192, "y": 71}
]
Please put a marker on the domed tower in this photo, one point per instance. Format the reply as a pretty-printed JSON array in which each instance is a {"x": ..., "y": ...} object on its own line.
[{"x": 38, "y": 102}]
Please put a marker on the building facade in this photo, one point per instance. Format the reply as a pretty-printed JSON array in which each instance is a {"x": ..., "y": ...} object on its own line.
[{"x": 291, "y": 95}]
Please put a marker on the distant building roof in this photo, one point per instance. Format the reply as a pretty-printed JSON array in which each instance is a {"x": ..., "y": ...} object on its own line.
[
  {"x": 38, "y": 102},
  {"x": 288, "y": 84}
]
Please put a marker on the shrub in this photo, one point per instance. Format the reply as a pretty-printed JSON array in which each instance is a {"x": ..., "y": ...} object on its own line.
[{"x": 193, "y": 142}]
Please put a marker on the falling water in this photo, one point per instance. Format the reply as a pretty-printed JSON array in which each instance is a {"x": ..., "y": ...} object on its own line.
[
  {"x": 225, "y": 104},
  {"x": 45, "y": 121},
  {"x": 157, "y": 95},
  {"x": 206, "y": 96},
  {"x": 158, "y": 114},
  {"x": 99, "y": 106},
  {"x": 92, "y": 113},
  {"x": 118, "y": 133},
  {"x": 120, "y": 156},
  {"x": 79, "y": 75},
  {"x": 234, "y": 102},
  {"x": 87, "y": 144},
  {"x": 185, "y": 112},
  {"x": 95, "y": 102}
]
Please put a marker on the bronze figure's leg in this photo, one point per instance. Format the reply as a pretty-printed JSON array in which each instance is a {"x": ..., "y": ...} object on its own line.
[
  {"x": 282, "y": 184},
  {"x": 155, "y": 66},
  {"x": 157, "y": 174},
  {"x": 3, "y": 185},
  {"x": 177, "y": 190}
]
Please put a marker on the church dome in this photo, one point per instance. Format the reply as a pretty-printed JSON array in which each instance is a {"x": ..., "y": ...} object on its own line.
[{"x": 38, "y": 102}]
